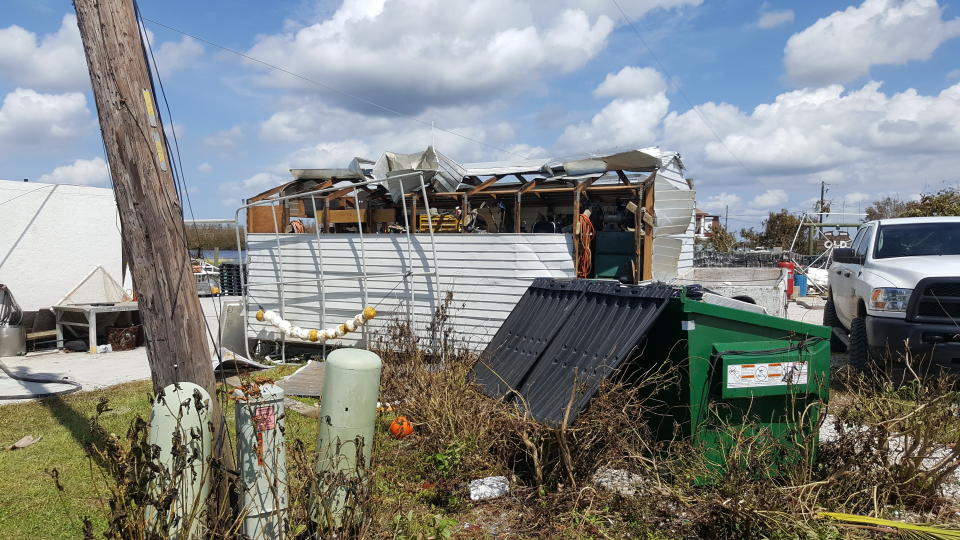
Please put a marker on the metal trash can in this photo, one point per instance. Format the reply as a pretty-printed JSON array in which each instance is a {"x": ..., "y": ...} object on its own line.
[
  {"x": 740, "y": 372},
  {"x": 13, "y": 340},
  {"x": 13, "y": 336}
]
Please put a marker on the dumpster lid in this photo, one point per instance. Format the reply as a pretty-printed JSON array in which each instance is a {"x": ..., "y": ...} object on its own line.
[{"x": 561, "y": 339}]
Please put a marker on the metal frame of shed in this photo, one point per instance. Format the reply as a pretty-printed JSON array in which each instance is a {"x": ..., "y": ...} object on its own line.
[{"x": 327, "y": 193}]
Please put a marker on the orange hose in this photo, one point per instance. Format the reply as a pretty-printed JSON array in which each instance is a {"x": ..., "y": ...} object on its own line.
[{"x": 585, "y": 259}]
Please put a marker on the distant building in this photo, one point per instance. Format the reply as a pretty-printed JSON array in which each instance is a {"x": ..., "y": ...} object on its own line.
[{"x": 704, "y": 223}]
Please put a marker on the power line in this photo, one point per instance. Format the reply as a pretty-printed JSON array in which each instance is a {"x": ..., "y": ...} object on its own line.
[
  {"x": 680, "y": 91},
  {"x": 332, "y": 88},
  {"x": 179, "y": 180}
]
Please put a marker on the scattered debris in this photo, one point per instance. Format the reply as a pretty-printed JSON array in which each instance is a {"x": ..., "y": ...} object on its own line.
[
  {"x": 490, "y": 487},
  {"x": 231, "y": 360},
  {"x": 306, "y": 381},
  {"x": 300, "y": 407},
  {"x": 26, "y": 441},
  {"x": 619, "y": 481},
  {"x": 812, "y": 302}
]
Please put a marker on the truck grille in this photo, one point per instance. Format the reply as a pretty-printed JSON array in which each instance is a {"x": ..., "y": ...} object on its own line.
[
  {"x": 935, "y": 300},
  {"x": 943, "y": 289}
]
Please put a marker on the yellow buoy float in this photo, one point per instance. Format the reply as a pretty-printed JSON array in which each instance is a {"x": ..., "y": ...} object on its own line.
[{"x": 313, "y": 334}]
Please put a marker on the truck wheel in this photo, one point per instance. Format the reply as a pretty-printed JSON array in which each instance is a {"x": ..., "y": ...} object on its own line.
[
  {"x": 830, "y": 319},
  {"x": 859, "y": 349}
]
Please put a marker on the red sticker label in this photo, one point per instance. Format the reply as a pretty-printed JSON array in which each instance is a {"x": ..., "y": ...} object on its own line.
[{"x": 265, "y": 418}]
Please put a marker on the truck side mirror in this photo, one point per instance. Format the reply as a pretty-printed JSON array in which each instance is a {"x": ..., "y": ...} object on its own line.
[{"x": 847, "y": 256}]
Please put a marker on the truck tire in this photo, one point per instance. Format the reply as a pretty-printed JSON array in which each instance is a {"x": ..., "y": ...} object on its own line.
[
  {"x": 859, "y": 348},
  {"x": 830, "y": 319}
]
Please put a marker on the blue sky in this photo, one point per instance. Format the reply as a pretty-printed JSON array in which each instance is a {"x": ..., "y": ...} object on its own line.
[{"x": 763, "y": 99}]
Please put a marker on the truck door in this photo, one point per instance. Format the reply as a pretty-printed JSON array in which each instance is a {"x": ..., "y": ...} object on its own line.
[
  {"x": 856, "y": 270},
  {"x": 841, "y": 284}
]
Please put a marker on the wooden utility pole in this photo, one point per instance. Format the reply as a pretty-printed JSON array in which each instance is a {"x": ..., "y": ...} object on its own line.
[{"x": 150, "y": 214}]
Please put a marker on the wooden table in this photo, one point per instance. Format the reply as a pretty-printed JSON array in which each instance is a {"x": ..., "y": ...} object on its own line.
[{"x": 89, "y": 313}]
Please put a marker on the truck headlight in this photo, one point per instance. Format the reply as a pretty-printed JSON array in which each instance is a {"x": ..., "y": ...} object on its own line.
[{"x": 890, "y": 299}]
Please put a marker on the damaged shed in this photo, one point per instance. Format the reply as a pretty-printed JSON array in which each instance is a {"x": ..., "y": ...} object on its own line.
[{"x": 420, "y": 234}]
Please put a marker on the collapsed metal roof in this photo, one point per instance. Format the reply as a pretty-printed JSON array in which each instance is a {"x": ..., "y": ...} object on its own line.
[{"x": 444, "y": 174}]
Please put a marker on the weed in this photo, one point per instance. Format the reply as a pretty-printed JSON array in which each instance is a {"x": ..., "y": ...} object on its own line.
[
  {"x": 892, "y": 446},
  {"x": 411, "y": 526},
  {"x": 448, "y": 460}
]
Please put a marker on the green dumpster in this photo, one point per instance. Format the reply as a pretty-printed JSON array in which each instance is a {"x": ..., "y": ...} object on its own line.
[{"x": 740, "y": 374}]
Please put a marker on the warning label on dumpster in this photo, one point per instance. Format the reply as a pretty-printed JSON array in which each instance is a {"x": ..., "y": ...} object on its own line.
[{"x": 759, "y": 375}]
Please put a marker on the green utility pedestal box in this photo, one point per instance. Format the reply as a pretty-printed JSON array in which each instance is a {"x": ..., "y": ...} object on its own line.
[{"x": 740, "y": 374}]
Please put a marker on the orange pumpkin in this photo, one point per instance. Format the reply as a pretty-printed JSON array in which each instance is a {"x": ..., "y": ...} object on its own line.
[{"x": 400, "y": 427}]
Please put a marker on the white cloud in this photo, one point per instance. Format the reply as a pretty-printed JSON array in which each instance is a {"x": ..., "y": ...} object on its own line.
[
  {"x": 52, "y": 62},
  {"x": 56, "y": 61},
  {"x": 721, "y": 202},
  {"x": 204, "y": 168},
  {"x": 468, "y": 133},
  {"x": 84, "y": 172},
  {"x": 953, "y": 74},
  {"x": 172, "y": 56},
  {"x": 406, "y": 56},
  {"x": 620, "y": 123},
  {"x": 816, "y": 130},
  {"x": 632, "y": 82},
  {"x": 775, "y": 18},
  {"x": 29, "y": 118},
  {"x": 769, "y": 199},
  {"x": 857, "y": 197},
  {"x": 634, "y": 9},
  {"x": 328, "y": 154},
  {"x": 226, "y": 138},
  {"x": 626, "y": 121},
  {"x": 862, "y": 142},
  {"x": 844, "y": 45}
]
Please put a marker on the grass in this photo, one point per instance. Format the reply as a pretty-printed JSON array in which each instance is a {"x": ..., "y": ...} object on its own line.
[
  {"x": 30, "y": 504},
  {"x": 417, "y": 485}
]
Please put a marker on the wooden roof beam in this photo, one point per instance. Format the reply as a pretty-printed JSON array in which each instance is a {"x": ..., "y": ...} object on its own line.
[
  {"x": 583, "y": 186},
  {"x": 484, "y": 185},
  {"x": 586, "y": 184},
  {"x": 528, "y": 186},
  {"x": 340, "y": 193}
]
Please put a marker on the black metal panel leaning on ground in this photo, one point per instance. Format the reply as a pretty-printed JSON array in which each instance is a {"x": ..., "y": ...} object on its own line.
[{"x": 567, "y": 332}]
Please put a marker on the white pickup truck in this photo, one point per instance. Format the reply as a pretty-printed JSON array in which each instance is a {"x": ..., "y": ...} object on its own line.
[{"x": 897, "y": 289}]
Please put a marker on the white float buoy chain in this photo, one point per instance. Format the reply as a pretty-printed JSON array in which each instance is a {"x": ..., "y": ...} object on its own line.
[{"x": 312, "y": 334}]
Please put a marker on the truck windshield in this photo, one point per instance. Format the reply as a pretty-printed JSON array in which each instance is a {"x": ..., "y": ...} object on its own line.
[{"x": 915, "y": 239}]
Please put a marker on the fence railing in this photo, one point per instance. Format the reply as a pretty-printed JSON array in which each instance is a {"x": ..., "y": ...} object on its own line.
[{"x": 747, "y": 259}]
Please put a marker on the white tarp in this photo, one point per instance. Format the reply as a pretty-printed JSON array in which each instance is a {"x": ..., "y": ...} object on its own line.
[
  {"x": 52, "y": 236},
  {"x": 98, "y": 286}
]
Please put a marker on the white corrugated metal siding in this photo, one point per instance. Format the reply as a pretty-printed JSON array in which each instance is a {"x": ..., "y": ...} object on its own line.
[
  {"x": 674, "y": 204},
  {"x": 486, "y": 274}
]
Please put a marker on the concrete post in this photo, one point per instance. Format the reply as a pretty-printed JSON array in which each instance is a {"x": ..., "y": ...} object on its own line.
[
  {"x": 180, "y": 426},
  {"x": 348, "y": 412},
  {"x": 262, "y": 462}
]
